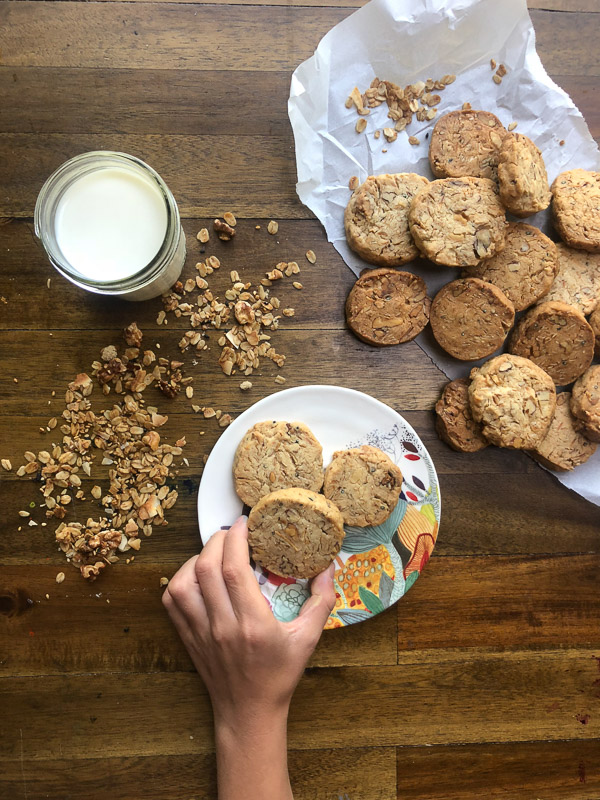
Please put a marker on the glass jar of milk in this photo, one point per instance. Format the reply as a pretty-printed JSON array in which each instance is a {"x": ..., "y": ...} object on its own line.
[{"x": 110, "y": 224}]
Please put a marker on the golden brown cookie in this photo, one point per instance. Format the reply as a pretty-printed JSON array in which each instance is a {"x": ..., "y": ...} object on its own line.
[
  {"x": 471, "y": 318},
  {"x": 457, "y": 222},
  {"x": 295, "y": 532},
  {"x": 585, "y": 403},
  {"x": 466, "y": 143},
  {"x": 563, "y": 448},
  {"x": 576, "y": 208},
  {"x": 594, "y": 321},
  {"x": 556, "y": 337},
  {"x": 376, "y": 218},
  {"x": 454, "y": 422},
  {"x": 514, "y": 400},
  {"x": 276, "y": 455},
  {"x": 364, "y": 483},
  {"x": 386, "y": 306},
  {"x": 526, "y": 267},
  {"x": 522, "y": 176},
  {"x": 577, "y": 281}
]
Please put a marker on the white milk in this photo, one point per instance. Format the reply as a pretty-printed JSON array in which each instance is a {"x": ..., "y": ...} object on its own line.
[{"x": 110, "y": 224}]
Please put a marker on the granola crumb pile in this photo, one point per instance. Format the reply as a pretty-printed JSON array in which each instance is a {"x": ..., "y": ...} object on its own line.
[{"x": 420, "y": 99}]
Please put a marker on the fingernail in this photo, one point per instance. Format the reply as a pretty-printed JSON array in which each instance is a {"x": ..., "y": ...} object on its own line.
[{"x": 242, "y": 518}]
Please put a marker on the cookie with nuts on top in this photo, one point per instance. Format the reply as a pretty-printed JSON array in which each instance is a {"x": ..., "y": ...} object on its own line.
[
  {"x": 454, "y": 421},
  {"x": 466, "y": 143},
  {"x": 522, "y": 176},
  {"x": 563, "y": 448},
  {"x": 556, "y": 337},
  {"x": 585, "y": 403},
  {"x": 576, "y": 208},
  {"x": 471, "y": 318},
  {"x": 376, "y": 218},
  {"x": 577, "y": 281},
  {"x": 387, "y": 307},
  {"x": 364, "y": 483},
  {"x": 513, "y": 400},
  {"x": 525, "y": 269},
  {"x": 295, "y": 532},
  {"x": 276, "y": 455},
  {"x": 457, "y": 222}
]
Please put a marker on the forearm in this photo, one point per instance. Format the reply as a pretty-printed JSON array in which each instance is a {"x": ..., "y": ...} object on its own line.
[{"x": 252, "y": 758}]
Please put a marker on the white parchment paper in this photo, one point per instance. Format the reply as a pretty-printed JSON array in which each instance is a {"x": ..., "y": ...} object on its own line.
[{"x": 405, "y": 41}]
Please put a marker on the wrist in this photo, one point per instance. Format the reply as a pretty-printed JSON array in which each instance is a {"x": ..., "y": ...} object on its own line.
[{"x": 251, "y": 721}]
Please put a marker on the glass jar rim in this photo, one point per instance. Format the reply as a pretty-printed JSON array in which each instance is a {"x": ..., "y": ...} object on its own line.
[{"x": 69, "y": 172}]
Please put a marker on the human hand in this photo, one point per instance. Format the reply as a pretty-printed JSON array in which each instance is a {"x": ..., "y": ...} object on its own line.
[{"x": 249, "y": 661}]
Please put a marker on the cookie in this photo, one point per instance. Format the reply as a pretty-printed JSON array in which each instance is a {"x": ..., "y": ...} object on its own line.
[
  {"x": 525, "y": 269},
  {"x": 522, "y": 176},
  {"x": 471, "y": 318},
  {"x": 557, "y": 338},
  {"x": 364, "y": 483},
  {"x": 585, "y": 403},
  {"x": 454, "y": 422},
  {"x": 466, "y": 143},
  {"x": 563, "y": 448},
  {"x": 457, "y": 222},
  {"x": 514, "y": 400},
  {"x": 295, "y": 533},
  {"x": 276, "y": 455},
  {"x": 376, "y": 219},
  {"x": 576, "y": 208},
  {"x": 387, "y": 307},
  {"x": 577, "y": 281},
  {"x": 594, "y": 321}
]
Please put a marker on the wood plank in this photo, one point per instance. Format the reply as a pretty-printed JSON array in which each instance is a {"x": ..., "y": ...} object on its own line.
[
  {"x": 365, "y": 773},
  {"x": 216, "y": 175},
  {"x": 548, "y": 5},
  {"x": 132, "y": 632},
  {"x": 183, "y": 37},
  {"x": 500, "y": 604},
  {"x": 521, "y": 698},
  {"x": 47, "y": 100},
  {"x": 549, "y": 770}
]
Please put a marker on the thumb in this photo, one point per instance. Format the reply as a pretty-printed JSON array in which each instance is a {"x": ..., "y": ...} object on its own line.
[{"x": 314, "y": 613}]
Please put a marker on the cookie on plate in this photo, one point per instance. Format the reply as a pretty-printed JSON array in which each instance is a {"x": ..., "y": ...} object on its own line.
[
  {"x": 556, "y": 337},
  {"x": 563, "y": 448},
  {"x": 466, "y": 143},
  {"x": 525, "y": 269},
  {"x": 522, "y": 176},
  {"x": 295, "y": 533},
  {"x": 576, "y": 208},
  {"x": 594, "y": 321},
  {"x": 376, "y": 219},
  {"x": 276, "y": 455},
  {"x": 514, "y": 400},
  {"x": 364, "y": 483},
  {"x": 471, "y": 318},
  {"x": 457, "y": 222},
  {"x": 454, "y": 422},
  {"x": 585, "y": 403},
  {"x": 577, "y": 281},
  {"x": 387, "y": 306}
]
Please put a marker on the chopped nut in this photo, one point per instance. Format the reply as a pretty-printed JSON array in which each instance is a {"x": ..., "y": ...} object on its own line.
[
  {"x": 353, "y": 182},
  {"x": 108, "y": 353},
  {"x": 310, "y": 256},
  {"x": 361, "y": 124},
  {"x": 512, "y": 126},
  {"x": 230, "y": 219},
  {"x": 273, "y": 227},
  {"x": 413, "y": 140},
  {"x": 501, "y": 71},
  {"x": 6, "y": 464},
  {"x": 189, "y": 392},
  {"x": 225, "y": 231},
  {"x": 497, "y": 79},
  {"x": 60, "y": 577},
  {"x": 164, "y": 581},
  {"x": 245, "y": 385},
  {"x": 297, "y": 285},
  {"x": 203, "y": 235},
  {"x": 492, "y": 63},
  {"x": 280, "y": 379},
  {"x": 225, "y": 420},
  {"x": 133, "y": 335}
]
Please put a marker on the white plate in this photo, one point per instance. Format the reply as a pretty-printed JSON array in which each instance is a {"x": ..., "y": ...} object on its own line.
[{"x": 376, "y": 565}]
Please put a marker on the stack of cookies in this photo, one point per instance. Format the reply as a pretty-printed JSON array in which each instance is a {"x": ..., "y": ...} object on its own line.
[
  {"x": 459, "y": 220},
  {"x": 293, "y": 529}
]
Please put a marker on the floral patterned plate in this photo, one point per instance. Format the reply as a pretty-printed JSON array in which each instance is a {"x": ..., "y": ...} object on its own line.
[{"x": 376, "y": 565}]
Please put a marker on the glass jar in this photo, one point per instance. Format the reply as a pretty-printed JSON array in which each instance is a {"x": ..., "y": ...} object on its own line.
[{"x": 110, "y": 225}]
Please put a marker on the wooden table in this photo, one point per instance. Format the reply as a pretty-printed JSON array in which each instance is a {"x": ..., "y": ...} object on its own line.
[{"x": 484, "y": 681}]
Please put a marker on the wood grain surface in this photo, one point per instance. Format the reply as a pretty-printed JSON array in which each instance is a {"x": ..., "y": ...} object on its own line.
[{"x": 484, "y": 681}]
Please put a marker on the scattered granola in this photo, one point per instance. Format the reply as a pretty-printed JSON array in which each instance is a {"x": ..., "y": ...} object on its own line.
[
  {"x": 273, "y": 227},
  {"x": 60, "y": 577},
  {"x": 6, "y": 464},
  {"x": 245, "y": 385},
  {"x": 164, "y": 581},
  {"x": 203, "y": 235},
  {"x": 224, "y": 231},
  {"x": 310, "y": 256}
]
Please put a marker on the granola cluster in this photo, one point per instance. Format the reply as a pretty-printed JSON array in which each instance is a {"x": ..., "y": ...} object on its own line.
[
  {"x": 419, "y": 99},
  {"x": 250, "y": 314}
]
